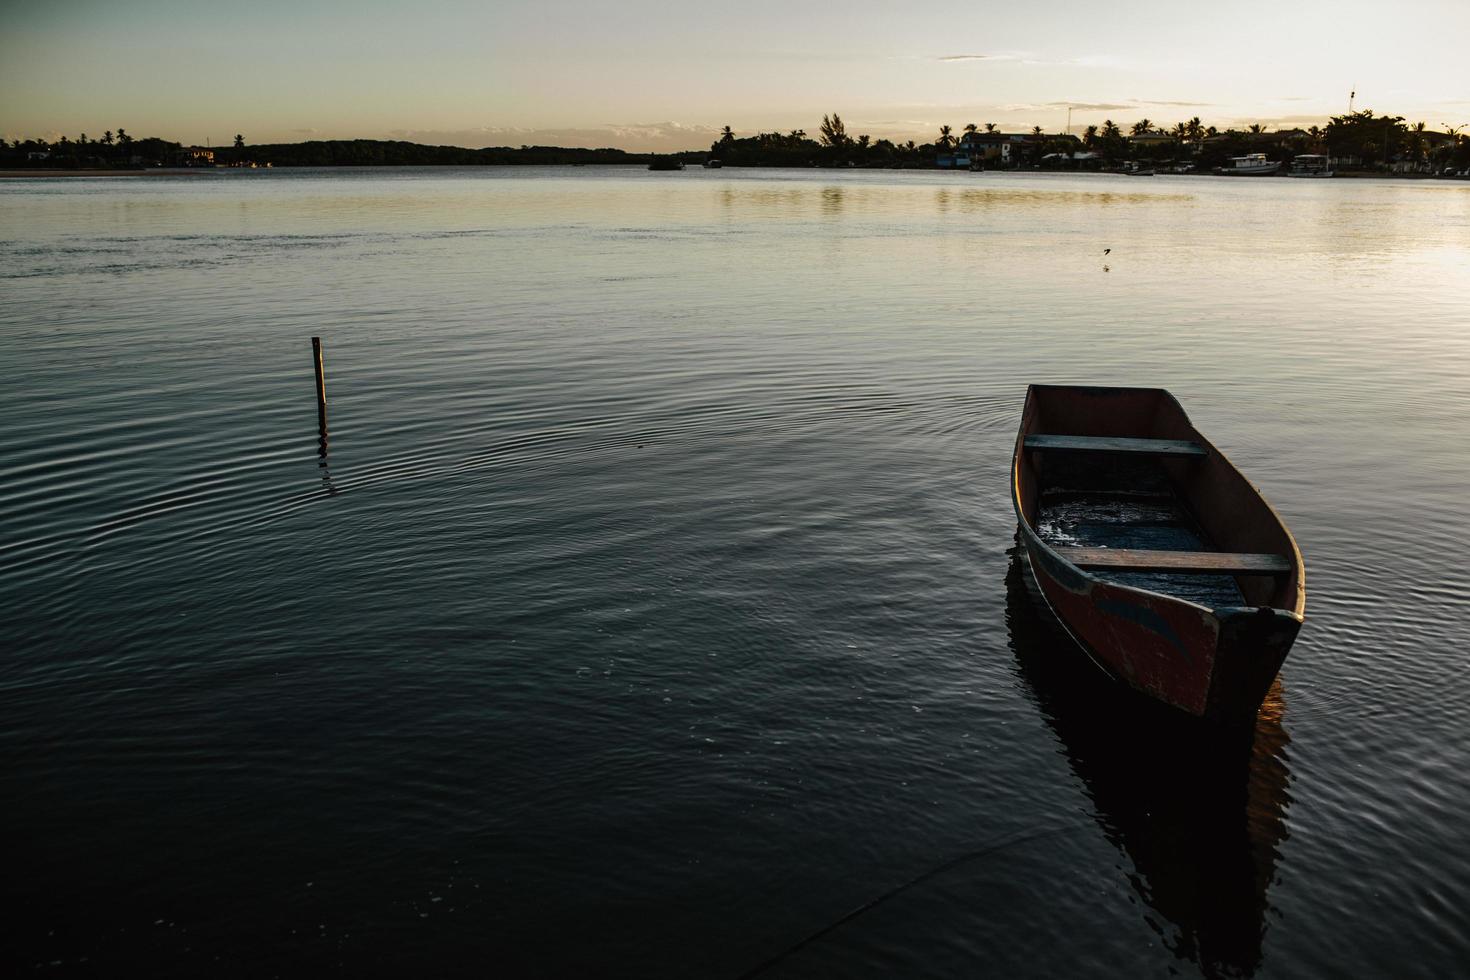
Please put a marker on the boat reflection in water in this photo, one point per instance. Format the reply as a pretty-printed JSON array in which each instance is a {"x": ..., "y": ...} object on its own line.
[{"x": 1197, "y": 813}]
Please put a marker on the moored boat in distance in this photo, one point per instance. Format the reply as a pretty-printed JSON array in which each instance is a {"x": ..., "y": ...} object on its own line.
[
  {"x": 713, "y": 163},
  {"x": 1310, "y": 165},
  {"x": 1250, "y": 165},
  {"x": 1161, "y": 560}
]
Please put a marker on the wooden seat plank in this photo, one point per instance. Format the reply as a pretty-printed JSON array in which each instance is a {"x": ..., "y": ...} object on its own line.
[
  {"x": 1177, "y": 562},
  {"x": 1116, "y": 444}
]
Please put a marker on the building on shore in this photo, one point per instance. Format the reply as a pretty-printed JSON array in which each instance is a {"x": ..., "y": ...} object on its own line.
[
  {"x": 1152, "y": 142},
  {"x": 1000, "y": 150}
]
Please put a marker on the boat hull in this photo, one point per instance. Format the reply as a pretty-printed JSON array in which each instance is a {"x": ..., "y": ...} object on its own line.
[{"x": 1213, "y": 663}]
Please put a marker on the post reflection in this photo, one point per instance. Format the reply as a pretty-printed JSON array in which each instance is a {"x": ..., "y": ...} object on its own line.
[
  {"x": 1200, "y": 815},
  {"x": 323, "y": 460}
]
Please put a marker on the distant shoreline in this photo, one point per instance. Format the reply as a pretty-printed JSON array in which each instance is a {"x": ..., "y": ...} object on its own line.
[
  {"x": 203, "y": 171},
  {"x": 154, "y": 172}
]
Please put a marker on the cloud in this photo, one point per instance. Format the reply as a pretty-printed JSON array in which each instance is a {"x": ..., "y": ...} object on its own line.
[
  {"x": 1028, "y": 58},
  {"x": 1080, "y": 106},
  {"x": 1023, "y": 57},
  {"x": 1184, "y": 104},
  {"x": 307, "y": 130},
  {"x": 636, "y": 137}
]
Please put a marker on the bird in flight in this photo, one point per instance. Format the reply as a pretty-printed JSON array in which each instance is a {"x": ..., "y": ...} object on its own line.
[{"x": 1106, "y": 251}]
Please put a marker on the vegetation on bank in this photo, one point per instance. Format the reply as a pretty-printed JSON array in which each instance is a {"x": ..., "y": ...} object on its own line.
[
  {"x": 122, "y": 152},
  {"x": 1359, "y": 139},
  {"x": 109, "y": 150},
  {"x": 380, "y": 153}
]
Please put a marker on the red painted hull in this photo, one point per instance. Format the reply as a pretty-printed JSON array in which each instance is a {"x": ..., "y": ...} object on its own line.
[{"x": 1213, "y": 663}]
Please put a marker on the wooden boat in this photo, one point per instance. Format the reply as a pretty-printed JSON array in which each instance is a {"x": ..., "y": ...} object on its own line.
[
  {"x": 1161, "y": 560},
  {"x": 1250, "y": 165}
]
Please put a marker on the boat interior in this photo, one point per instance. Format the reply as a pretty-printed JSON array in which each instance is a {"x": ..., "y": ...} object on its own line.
[{"x": 1119, "y": 483}]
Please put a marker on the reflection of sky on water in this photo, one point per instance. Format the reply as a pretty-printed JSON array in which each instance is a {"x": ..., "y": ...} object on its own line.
[{"x": 661, "y": 592}]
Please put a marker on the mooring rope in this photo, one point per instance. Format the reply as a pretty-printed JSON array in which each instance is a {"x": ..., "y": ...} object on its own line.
[{"x": 1012, "y": 841}]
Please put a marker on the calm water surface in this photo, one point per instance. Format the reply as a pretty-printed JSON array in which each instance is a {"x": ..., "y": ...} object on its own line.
[{"x": 655, "y": 607}]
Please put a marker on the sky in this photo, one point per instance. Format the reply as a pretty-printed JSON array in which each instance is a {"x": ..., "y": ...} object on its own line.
[{"x": 658, "y": 75}]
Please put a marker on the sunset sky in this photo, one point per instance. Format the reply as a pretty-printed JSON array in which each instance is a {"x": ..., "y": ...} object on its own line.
[{"x": 643, "y": 74}]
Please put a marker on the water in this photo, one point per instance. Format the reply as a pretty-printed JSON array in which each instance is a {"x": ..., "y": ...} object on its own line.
[{"x": 655, "y": 605}]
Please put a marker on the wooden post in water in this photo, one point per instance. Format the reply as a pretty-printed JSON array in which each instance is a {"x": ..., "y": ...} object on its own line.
[{"x": 321, "y": 386}]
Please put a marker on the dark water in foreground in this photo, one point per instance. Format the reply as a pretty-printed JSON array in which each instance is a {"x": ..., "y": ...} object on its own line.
[{"x": 655, "y": 606}]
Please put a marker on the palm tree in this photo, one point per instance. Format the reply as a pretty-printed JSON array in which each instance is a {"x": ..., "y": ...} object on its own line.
[
  {"x": 1257, "y": 128},
  {"x": 862, "y": 142},
  {"x": 1110, "y": 130},
  {"x": 107, "y": 138},
  {"x": 970, "y": 127},
  {"x": 1416, "y": 140},
  {"x": 1180, "y": 134},
  {"x": 1035, "y": 130},
  {"x": 990, "y": 127},
  {"x": 727, "y": 135},
  {"x": 834, "y": 132},
  {"x": 945, "y": 139},
  {"x": 1142, "y": 127},
  {"x": 1089, "y": 137},
  {"x": 1196, "y": 131},
  {"x": 239, "y": 142}
]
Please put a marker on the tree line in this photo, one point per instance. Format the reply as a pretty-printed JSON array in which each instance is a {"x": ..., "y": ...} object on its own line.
[
  {"x": 109, "y": 150},
  {"x": 1362, "y": 136},
  {"x": 1371, "y": 139},
  {"x": 397, "y": 153},
  {"x": 833, "y": 146},
  {"x": 121, "y": 151}
]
